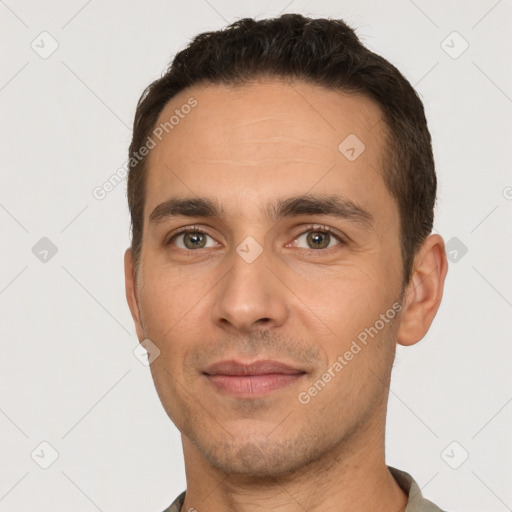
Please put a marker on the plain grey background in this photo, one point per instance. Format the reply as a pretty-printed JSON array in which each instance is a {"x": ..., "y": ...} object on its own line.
[{"x": 70, "y": 78}]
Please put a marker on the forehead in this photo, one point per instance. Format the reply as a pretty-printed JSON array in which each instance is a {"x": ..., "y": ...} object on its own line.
[{"x": 267, "y": 137}]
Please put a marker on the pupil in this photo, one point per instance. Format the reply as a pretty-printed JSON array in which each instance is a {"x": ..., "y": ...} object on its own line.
[
  {"x": 192, "y": 239},
  {"x": 316, "y": 238}
]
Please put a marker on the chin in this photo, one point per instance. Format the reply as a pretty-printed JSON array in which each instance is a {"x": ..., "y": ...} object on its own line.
[{"x": 260, "y": 460}]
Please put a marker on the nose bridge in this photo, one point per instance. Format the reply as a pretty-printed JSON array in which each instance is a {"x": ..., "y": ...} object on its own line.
[{"x": 249, "y": 294}]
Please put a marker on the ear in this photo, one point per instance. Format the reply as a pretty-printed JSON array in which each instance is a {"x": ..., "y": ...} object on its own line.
[
  {"x": 424, "y": 292},
  {"x": 131, "y": 292}
]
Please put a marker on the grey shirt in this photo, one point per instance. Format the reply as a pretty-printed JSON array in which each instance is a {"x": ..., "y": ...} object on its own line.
[{"x": 415, "y": 503}]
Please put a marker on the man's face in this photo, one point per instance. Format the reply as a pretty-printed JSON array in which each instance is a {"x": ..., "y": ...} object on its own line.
[{"x": 263, "y": 280}]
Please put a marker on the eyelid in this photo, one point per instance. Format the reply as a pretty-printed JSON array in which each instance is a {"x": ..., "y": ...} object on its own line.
[
  {"x": 187, "y": 229},
  {"x": 343, "y": 239},
  {"x": 321, "y": 227}
]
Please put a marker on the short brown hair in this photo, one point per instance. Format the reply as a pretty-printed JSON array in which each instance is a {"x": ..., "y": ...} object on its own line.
[{"x": 324, "y": 52}]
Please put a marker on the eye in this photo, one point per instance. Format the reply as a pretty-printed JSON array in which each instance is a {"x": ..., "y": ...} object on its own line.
[
  {"x": 192, "y": 239},
  {"x": 318, "y": 239}
]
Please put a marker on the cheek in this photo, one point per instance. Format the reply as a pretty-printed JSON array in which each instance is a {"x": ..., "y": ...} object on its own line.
[
  {"x": 348, "y": 301},
  {"x": 361, "y": 350},
  {"x": 172, "y": 305}
]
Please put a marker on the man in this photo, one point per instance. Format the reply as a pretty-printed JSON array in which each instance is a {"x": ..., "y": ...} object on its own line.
[{"x": 281, "y": 193}]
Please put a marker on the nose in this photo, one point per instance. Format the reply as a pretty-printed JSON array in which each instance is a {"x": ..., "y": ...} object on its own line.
[{"x": 250, "y": 297}]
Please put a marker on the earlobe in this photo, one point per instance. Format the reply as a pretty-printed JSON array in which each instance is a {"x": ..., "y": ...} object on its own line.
[
  {"x": 131, "y": 292},
  {"x": 424, "y": 292}
]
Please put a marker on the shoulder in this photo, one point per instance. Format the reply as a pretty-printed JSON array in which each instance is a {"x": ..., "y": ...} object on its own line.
[
  {"x": 416, "y": 502},
  {"x": 176, "y": 505}
]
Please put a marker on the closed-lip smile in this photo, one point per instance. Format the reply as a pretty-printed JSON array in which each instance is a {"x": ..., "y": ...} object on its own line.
[{"x": 250, "y": 380}]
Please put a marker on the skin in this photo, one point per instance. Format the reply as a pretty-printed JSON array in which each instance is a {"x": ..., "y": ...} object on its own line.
[{"x": 245, "y": 147}]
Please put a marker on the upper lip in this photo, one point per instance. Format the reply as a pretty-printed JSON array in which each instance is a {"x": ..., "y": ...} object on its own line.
[{"x": 263, "y": 367}]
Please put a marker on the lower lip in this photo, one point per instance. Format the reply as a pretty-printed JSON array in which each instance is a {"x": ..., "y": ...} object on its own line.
[{"x": 247, "y": 386}]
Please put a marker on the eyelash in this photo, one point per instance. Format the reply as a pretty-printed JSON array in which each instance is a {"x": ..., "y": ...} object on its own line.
[
  {"x": 321, "y": 229},
  {"x": 188, "y": 229},
  {"x": 314, "y": 227}
]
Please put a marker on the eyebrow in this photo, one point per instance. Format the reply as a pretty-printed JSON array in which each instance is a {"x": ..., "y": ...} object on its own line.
[{"x": 306, "y": 204}]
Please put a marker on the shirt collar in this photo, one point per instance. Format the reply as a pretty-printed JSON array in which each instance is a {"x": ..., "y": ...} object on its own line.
[{"x": 415, "y": 502}]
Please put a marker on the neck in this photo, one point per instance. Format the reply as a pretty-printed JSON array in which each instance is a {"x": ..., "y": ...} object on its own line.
[{"x": 352, "y": 476}]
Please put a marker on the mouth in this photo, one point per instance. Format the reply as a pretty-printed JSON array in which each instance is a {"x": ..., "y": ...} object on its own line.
[{"x": 252, "y": 380}]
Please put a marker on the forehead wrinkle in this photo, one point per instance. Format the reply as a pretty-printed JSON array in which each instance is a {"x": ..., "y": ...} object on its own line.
[
  {"x": 262, "y": 163},
  {"x": 256, "y": 120},
  {"x": 290, "y": 141}
]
